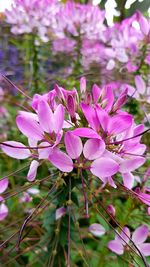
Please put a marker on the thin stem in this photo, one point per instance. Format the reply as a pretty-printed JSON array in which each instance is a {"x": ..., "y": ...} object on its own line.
[
  {"x": 69, "y": 219},
  {"x": 85, "y": 196},
  {"x": 17, "y": 88}
]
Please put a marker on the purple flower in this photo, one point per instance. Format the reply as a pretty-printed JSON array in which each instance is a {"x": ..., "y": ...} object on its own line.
[{"x": 139, "y": 236}]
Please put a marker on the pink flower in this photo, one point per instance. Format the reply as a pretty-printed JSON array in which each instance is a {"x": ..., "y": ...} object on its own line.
[
  {"x": 138, "y": 237},
  {"x": 96, "y": 229}
]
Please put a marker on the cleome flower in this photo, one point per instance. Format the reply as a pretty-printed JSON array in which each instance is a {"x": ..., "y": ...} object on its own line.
[
  {"x": 120, "y": 243},
  {"x": 87, "y": 131}
]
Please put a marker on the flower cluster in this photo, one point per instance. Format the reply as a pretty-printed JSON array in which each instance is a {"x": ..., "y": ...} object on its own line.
[
  {"x": 85, "y": 132},
  {"x": 37, "y": 17},
  {"x": 78, "y": 27}
]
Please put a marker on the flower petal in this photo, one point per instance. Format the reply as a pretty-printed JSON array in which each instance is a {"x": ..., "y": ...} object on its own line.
[
  {"x": 61, "y": 160},
  {"x": 3, "y": 211},
  {"x": 140, "y": 234},
  {"x": 145, "y": 249},
  {"x": 96, "y": 92},
  {"x": 45, "y": 115},
  {"x": 73, "y": 145},
  {"x": 124, "y": 236},
  {"x": 140, "y": 84},
  {"x": 32, "y": 170},
  {"x": 17, "y": 150},
  {"x": 103, "y": 117},
  {"x": 97, "y": 229},
  {"x": 104, "y": 167},
  {"x": 59, "y": 118},
  {"x": 91, "y": 116},
  {"x": 128, "y": 179},
  {"x": 119, "y": 123},
  {"x": 116, "y": 247},
  {"x": 44, "y": 152},
  {"x": 86, "y": 132},
  {"x": 29, "y": 127},
  {"x": 3, "y": 185},
  {"x": 93, "y": 148},
  {"x": 131, "y": 164}
]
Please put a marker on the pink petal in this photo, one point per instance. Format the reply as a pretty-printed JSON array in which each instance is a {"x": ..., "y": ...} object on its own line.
[
  {"x": 145, "y": 249},
  {"x": 139, "y": 129},
  {"x": 103, "y": 117},
  {"x": 145, "y": 198},
  {"x": 44, "y": 152},
  {"x": 45, "y": 115},
  {"x": 71, "y": 106},
  {"x": 58, "y": 118},
  {"x": 3, "y": 211},
  {"x": 97, "y": 229},
  {"x": 109, "y": 96},
  {"x": 61, "y": 160},
  {"x": 17, "y": 151},
  {"x": 128, "y": 179},
  {"x": 3, "y": 185},
  {"x": 140, "y": 234},
  {"x": 82, "y": 85},
  {"x": 93, "y": 148},
  {"x": 111, "y": 182},
  {"x": 138, "y": 149},
  {"x": 140, "y": 84},
  {"x": 119, "y": 123},
  {"x": 144, "y": 23},
  {"x": 124, "y": 236},
  {"x": 86, "y": 132},
  {"x": 73, "y": 145},
  {"x": 104, "y": 167},
  {"x": 91, "y": 116},
  {"x": 96, "y": 93},
  {"x": 32, "y": 171},
  {"x": 29, "y": 114},
  {"x": 131, "y": 164},
  {"x": 60, "y": 212},
  {"x": 29, "y": 127},
  {"x": 116, "y": 247}
]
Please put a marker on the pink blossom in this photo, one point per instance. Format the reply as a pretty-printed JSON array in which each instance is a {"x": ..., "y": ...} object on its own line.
[
  {"x": 96, "y": 229},
  {"x": 138, "y": 237}
]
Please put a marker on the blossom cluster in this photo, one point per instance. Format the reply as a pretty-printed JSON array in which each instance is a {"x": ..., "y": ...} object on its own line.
[
  {"x": 83, "y": 131},
  {"x": 37, "y": 17},
  {"x": 80, "y": 27},
  {"x": 87, "y": 131}
]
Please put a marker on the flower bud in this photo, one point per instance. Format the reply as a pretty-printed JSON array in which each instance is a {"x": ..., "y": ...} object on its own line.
[
  {"x": 71, "y": 106},
  {"x": 82, "y": 85},
  {"x": 60, "y": 212},
  {"x": 111, "y": 209}
]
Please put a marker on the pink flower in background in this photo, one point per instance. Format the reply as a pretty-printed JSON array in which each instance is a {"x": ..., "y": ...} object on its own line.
[
  {"x": 33, "y": 17},
  {"x": 97, "y": 229},
  {"x": 3, "y": 207},
  {"x": 139, "y": 236}
]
